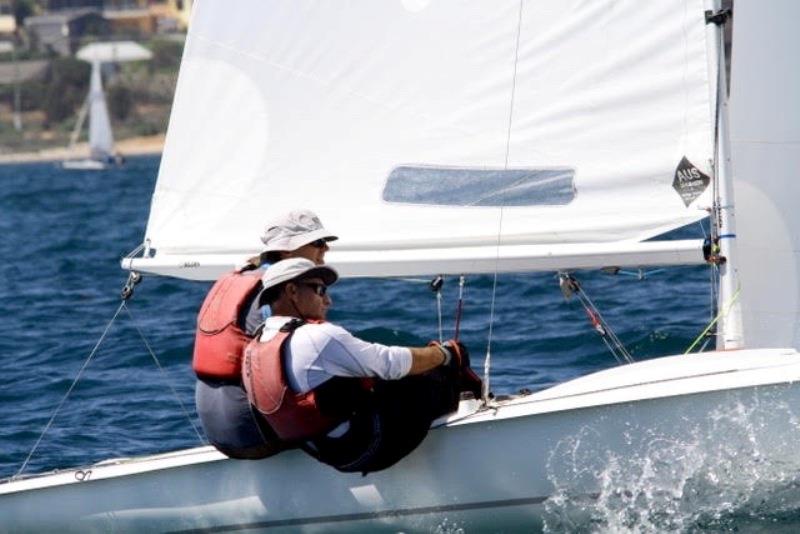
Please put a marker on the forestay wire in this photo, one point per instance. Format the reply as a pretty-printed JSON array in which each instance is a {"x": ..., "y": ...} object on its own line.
[
  {"x": 488, "y": 361},
  {"x": 71, "y": 387},
  {"x": 127, "y": 291}
]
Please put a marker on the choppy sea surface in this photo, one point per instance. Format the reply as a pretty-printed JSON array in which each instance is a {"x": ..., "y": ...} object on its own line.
[{"x": 64, "y": 232}]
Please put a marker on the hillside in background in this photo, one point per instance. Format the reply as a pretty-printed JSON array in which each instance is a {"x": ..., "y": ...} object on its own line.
[{"x": 139, "y": 96}]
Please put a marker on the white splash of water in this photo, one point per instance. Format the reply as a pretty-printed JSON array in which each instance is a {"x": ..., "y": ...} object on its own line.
[
  {"x": 677, "y": 474},
  {"x": 448, "y": 527}
]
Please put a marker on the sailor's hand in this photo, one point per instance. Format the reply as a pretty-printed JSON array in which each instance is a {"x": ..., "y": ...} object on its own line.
[
  {"x": 448, "y": 352},
  {"x": 467, "y": 379},
  {"x": 460, "y": 350}
]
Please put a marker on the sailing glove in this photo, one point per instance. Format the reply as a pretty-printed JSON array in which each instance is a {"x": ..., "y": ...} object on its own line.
[
  {"x": 457, "y": 358},
  {"x": 452, "y": 351},
  {"x": 468, "y": 381}
]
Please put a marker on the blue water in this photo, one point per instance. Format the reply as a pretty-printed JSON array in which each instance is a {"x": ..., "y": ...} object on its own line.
[{"x": 63, "y": 233}]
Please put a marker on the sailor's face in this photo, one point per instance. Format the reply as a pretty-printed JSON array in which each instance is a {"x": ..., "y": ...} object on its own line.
[
  {"x": 311, "y": 298},
  {"x": 313, "y": 251}
]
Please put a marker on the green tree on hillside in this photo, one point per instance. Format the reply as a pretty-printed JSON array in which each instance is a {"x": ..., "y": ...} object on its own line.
[
  {"x": 68, "y": 83},
  {"x": 120, "y": 102},
  {"x": 21, "y": 9},
  {"x": 166, "y": 54}
]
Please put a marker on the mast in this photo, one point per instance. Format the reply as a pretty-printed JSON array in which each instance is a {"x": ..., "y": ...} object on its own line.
[
  {"x": 76, "y": 131},
  {"x": 730, "y": 334},
  {"x": 17, "y": 104}
]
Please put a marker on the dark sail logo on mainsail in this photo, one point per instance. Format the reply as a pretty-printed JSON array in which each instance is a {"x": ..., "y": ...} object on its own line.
[{"x": 689, "y": 182}]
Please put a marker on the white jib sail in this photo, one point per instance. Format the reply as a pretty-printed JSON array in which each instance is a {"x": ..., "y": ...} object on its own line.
[
  {"x": 444, "y": 128},
  {"x": 765, "y": 139},
  {"x": 101, "y": 140}
]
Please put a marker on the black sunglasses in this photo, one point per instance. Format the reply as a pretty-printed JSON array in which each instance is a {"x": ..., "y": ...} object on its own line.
[
  {"x": 319, "y": 243},
  {"x": 320, "y": 289}
]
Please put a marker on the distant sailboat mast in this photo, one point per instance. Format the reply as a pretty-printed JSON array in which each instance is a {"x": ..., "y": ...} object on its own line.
[
  {"x": 17, "y": 116},
  {"x": 76, "y": 131}
]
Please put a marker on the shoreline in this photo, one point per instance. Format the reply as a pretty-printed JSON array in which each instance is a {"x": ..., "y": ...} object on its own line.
[{"x": 133, "y": 146}]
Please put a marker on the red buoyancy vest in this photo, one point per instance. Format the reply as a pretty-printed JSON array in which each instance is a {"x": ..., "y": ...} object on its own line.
[
  {"x": 220, "y": 342},
  {"x": 293, "y": 416}
]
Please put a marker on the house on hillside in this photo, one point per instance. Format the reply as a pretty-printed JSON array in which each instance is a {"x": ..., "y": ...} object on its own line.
[
  {"x": 145, "y": 17},
  {"x": 64, "y": 23},
  {"x": 22, "y": 71},
  {"x": 8, "y": 25},
  {"x": 50, "y": 6},
  {"x": 61, "y": 31},
  {"x": 172, "y": 14}
]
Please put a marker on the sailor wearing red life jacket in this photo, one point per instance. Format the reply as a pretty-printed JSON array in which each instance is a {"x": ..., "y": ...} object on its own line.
[
  {"x": 306, "y": 377},
  {"x": 227, "y": 321}
]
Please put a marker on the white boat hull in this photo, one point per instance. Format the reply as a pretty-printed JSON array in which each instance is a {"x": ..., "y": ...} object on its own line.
[
  {"x": 646, "y": 439},
  {"x": 84, "y": 165}
]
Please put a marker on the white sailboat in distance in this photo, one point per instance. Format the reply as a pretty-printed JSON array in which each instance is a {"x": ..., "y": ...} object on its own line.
[
  {"x": 454, "y": 137},
  {"x": 101, "y": 137}
]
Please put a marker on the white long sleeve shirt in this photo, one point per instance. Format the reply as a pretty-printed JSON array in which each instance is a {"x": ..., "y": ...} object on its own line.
[{"x": 318, "y": 352}]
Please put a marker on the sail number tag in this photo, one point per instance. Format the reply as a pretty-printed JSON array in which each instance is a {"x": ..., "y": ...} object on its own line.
[{"x": 689, "y": 182}]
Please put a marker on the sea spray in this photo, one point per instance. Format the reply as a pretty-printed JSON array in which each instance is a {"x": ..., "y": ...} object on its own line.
[
  {"x": 448, "y": 526},
  {"x": 706, "y": 474}
]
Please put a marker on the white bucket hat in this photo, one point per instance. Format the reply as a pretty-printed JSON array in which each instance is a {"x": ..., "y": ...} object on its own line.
[
  {"x": 294, "y": 268},
  {"x": 293, "y": 230}
]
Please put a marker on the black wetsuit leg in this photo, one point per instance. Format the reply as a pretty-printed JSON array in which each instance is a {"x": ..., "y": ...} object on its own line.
[{"x": 392, "y": 422}]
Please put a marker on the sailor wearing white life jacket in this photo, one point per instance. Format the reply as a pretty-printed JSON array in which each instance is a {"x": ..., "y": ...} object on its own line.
[
  {"x": 355, "y": 405},
  {"x": 227, "y": 321}
]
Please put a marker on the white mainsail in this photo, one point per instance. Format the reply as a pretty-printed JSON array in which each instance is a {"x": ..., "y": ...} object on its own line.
[
  {"x": 765, "y": 139},
  {"x": 518, "y": 124}
]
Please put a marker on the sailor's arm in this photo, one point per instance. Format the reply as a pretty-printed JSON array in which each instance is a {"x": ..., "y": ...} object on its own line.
[
  {"x": 423, "y": 359},
  {"x": 346, "y": 355}
]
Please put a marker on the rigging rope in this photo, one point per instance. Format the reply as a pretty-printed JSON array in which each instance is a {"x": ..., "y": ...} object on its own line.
[
  {"x": 459, "y": 307},
  {"x": 415, "y": 280},
  {"x": 487, "y": 363},
  {"x": 569, "y": 287},
  {"x": 721, "y": 314},
  {"x": 135, "y": 251},
  {"x": 164, "y": 374},
  {"x": 126, "y": 293},
  {"x": 439, "y": 314},
  {"x": 639, "y": 274},
  {"x": 436, "y": 286},
  {"x": 71, "y": 387}
]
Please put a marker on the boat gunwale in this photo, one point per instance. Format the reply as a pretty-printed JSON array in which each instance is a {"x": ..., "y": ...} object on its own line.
[{"x": 506, "y": 408}]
